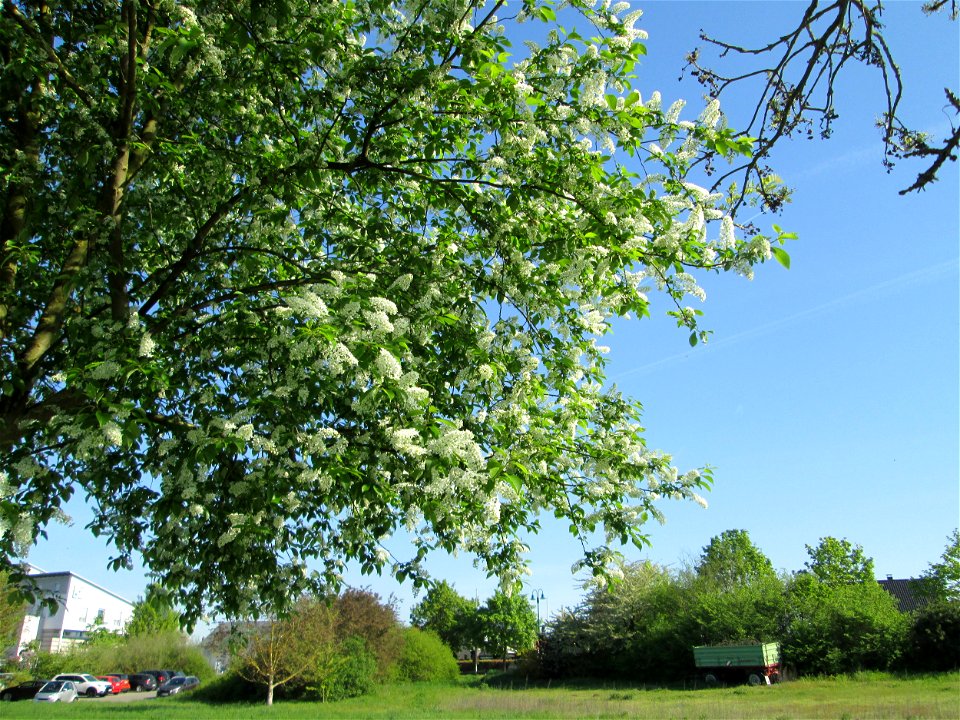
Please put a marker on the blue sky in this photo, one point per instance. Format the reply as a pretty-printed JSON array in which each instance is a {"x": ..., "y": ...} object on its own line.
[{"x": 827, "y": 399}]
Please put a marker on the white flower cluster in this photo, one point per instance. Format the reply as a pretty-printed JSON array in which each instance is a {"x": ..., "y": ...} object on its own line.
[
  {"x": 407, "y": 441},
  {"x": 307, "y": 303},
  {"x": 388, "y": 366}
]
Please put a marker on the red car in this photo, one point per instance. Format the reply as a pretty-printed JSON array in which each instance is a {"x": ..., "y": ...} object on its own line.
[
  {"x": 114, "y": 683},
  {"x": 122, "y": 679}
]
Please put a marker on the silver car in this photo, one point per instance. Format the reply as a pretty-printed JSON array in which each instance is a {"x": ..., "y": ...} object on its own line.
[
  {"x": 87, "y": 684},
  {"x": 57, "y": 691}
]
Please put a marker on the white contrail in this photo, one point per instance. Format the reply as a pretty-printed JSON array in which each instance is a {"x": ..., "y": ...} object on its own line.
[{"x": 917, "y": 277}]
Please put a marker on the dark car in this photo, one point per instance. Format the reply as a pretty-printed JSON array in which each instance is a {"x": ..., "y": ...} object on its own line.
[
  {"x": 161, "y": 675},
  {"x": 177, "y": 685},
  {"x": 23, "y": 691},
  {"x": 140, "y": 682}
]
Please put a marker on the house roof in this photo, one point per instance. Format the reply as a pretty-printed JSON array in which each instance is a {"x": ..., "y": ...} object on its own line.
[
  {"x": 905, "y": 593},
  {"x": 68, "y": 574}
]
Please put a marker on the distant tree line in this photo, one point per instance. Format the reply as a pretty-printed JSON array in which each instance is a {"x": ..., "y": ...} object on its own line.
[{"x": 831, "y": 617}]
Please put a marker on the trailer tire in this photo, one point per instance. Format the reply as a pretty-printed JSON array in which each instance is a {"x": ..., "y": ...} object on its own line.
[
  {"x": 774, "y": 678},
  {"x": 754, "y": 679},
  {"x": 710, "y": 679}
]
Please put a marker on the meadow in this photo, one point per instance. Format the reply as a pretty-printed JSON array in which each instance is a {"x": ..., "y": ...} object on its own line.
[{"x": 873, "y": 695}]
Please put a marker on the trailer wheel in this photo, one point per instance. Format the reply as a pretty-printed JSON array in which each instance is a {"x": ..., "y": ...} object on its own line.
[
  {"x": 754, "y": 679},
  {"x": 774, "y": 677},
  {"x": 710, "y": 679}
]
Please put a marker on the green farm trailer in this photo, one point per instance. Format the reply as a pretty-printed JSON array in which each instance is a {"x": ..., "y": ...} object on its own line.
[{"x": 755, "y": 664}]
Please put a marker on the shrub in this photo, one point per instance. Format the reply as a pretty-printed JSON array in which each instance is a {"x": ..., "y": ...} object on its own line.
[
  {"x": 843, "y": 628},
  {"x": 934, "y": 640},
  {"x": 126, "y": 654},
  {"x": 44, "y": 665},
  {"x": 425, "y": 657},
  {"x": 227, "y": 688},
  {"x": 349, "y": 672},
  {"x": 360, "y": 613}
]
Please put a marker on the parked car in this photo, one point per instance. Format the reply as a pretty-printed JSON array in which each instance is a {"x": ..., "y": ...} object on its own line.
[
  {"x": 57, "y": 691},
  {"x": 177, "y": 685},
  {"x": 140, "y": 682},
  {"x": 123, "y": 681},
  {"x": 161, "y": 675},
  {"x": 87, "y": 684},
  {"x": 23, "y": 691},
  {"x": 114, "y": 683}
]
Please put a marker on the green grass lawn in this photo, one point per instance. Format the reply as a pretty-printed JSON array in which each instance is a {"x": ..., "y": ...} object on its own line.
[{"x": 863, "y": 696}]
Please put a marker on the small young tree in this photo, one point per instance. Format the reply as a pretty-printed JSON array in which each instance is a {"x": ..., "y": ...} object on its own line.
[{"x": 283, "y": 650}]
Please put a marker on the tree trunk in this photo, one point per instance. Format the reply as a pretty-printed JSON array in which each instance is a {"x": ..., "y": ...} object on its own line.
[{"x": 270, "y": 686}]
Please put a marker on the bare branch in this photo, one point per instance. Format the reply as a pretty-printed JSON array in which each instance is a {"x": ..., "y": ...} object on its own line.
[{"x": 799, "y": 91}]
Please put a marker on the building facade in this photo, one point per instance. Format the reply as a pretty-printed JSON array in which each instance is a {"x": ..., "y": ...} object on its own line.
[{"x": 81, "y": 605}]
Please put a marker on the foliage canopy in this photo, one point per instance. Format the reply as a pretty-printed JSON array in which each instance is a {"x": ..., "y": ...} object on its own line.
[
  {"x": 731, "y": 560},
  {"x": 447, "y": 613},
  {"x": 839, "y": 562},
  {"x": 281, "y": 279}
]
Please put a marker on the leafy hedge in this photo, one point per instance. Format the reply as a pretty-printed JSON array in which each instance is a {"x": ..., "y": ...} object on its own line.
[{"x": 425, "y": 657}]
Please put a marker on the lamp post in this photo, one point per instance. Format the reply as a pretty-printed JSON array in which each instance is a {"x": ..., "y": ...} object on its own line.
[{"x": 537, "y": 595}]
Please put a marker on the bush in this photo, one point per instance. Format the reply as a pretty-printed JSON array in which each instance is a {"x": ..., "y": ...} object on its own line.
[
  {"x": 360, "y": 613},
  {"x": 127, "y": 655},
  {"x": 425, "y": 657},
  {"x": 843, "y": 628},
  {"x": 934, "y": 640},
  {"x": 44, "y": 665},
  {"x": 228, "y": 688},
  {"x": 349, "y": 672}
]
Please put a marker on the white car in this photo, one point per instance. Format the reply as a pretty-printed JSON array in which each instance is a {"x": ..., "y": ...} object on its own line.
[
  {"x": 87, "y": 684},
  {"x": 57, "y": 691}
]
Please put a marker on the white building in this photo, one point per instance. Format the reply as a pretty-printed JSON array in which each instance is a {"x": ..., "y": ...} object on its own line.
[{"x": 81, "y": 606}]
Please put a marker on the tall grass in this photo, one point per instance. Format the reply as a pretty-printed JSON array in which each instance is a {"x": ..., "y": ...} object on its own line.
[{"x": 875, "y": 695}]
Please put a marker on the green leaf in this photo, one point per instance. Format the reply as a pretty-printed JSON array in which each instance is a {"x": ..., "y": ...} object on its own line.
[{"x": 782, "y": 256}]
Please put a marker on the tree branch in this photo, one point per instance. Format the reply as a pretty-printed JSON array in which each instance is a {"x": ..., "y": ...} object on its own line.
[{"x": 61, "y": 70}]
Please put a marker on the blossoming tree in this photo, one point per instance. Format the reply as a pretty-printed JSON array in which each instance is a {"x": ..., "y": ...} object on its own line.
[{"x": 283, "y": 278}]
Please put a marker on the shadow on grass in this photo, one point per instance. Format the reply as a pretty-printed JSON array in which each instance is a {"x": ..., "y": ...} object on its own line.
[{"x": 514, "y": 680}]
